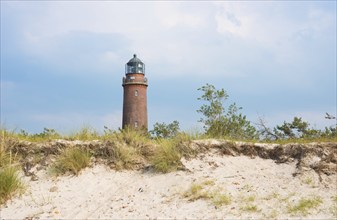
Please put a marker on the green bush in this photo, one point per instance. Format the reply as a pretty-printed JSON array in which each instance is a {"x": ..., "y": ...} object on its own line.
[
  {"x": 162, "y": 130},
  {"x": 220, "y": 122}
]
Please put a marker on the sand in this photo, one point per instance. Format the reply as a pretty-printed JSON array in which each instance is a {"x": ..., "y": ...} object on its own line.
[{"x": 257, "y": 188}]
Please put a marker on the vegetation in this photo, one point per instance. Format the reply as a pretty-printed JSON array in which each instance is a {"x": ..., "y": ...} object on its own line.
[
  {"x": 9, "y": 183},
  {"x": 71, "y": 160},
  {"x": 297, "y": 130},
  {"x": 249, "y": 208},
  {"x": 167, "y": 157},
  {"x": 46, "y": 135},
  {"x": 219, "y": 122},
  {"x": 204, "y": 191},
  {"x": 304, "y": 205},
  {"x": 162, "y": 130}
]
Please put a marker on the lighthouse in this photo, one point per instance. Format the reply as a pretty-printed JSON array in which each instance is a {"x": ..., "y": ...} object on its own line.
[{"x": 135, "y": 98}]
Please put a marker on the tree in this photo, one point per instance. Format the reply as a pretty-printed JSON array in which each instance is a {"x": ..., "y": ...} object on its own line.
[
  {"x": 296, "y": 129},
  {"x": 214, "y": 110},
  {"x": 217, "y": 121},
  {"x": 162, "y": 130}
]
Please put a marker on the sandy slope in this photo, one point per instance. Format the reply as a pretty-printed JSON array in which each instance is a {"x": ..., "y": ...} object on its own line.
[{"x": 102, "y": 193}]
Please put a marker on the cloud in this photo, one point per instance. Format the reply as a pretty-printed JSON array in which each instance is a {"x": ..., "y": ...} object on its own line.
[
  {"x": 78, "y": 51},
  {"x": 280, "y": 54}
]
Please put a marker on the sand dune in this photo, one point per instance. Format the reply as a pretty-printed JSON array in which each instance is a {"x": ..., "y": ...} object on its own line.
[{"x": 255, "y": 188}]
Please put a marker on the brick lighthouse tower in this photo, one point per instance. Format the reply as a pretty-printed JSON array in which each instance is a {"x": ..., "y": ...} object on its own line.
[{"x": 134, "y": 99}]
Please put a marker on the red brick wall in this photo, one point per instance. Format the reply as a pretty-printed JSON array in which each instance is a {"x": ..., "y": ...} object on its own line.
[{"x": 135, "y": 107}]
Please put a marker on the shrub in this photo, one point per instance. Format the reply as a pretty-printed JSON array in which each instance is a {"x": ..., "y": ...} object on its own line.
[
  {"x": 162, "y": 130},
  {"x": 219, "y": 122},
  {"x": 9, "y": 183},
  {"x": 71, "y": 160}
]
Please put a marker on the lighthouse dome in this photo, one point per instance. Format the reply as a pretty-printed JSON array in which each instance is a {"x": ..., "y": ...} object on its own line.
[
  {"x": 135, "y": 65},
  {"x": 135, "y": 59}
]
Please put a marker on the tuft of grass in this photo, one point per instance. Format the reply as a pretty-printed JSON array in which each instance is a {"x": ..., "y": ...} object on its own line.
[
  {"x": 71, "y": 160},
  {"x": 198, "y": 191},
  {"x": 249, "y": 205},
  {"x": 195, "y": 192},
  {"x": 9, "y": 183},
  {"x": 249, "y": 208},
  {"x": 333, "y": 208},
  {"x": 125, "y": 156},
  {"x": 166, "y": 157},
  {"x": 273, "y": 195},
  {"x": 304, "y": 205},
  {"x": 209, "y": 183},
  {"x": 219, "y": 199},
  {"x": 250, "y": 198},
  {"x": 5, "y": 158}
]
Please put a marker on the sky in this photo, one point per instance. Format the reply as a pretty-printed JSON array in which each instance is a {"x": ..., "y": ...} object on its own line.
[{"x": 62, "y": 62}]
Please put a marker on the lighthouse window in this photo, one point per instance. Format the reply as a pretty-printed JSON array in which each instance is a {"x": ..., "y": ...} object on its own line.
[{"x": 136, "y": 92}]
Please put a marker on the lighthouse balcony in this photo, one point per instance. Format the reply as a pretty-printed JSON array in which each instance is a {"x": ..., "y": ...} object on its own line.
[{"x": 134, "y": 81}]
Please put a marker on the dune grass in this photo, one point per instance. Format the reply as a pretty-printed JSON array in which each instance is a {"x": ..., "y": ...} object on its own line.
[
  {"x": 124, "y": 148},
  {"x": 10, "y": 183},
  {"x": 205, "y": 190},
  {"x": 125, "y": 156},
  {"x": 166, "y": 157},
  {"x": 71, "y": 160},
  {"x": 304, "y": 205}
]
